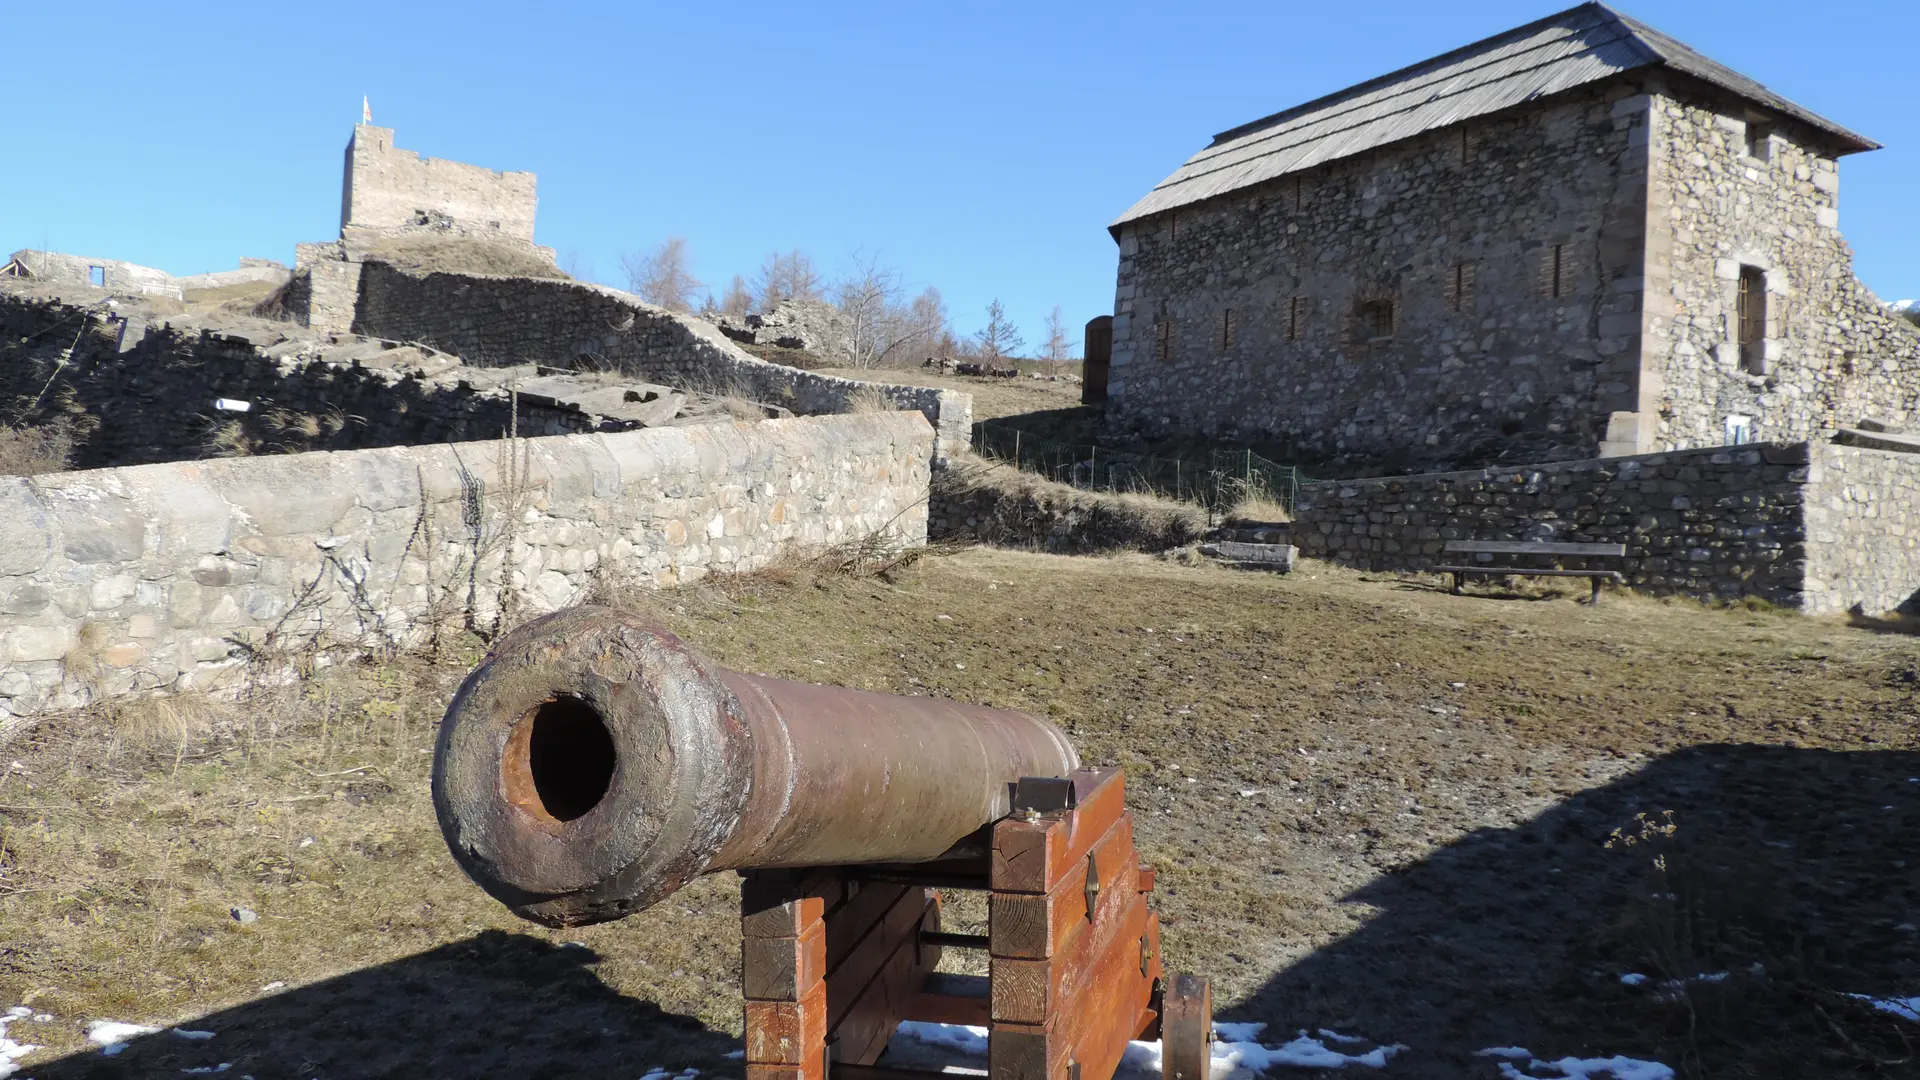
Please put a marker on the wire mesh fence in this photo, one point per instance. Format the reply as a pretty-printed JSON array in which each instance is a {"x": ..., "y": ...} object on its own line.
[{"x": 1217, "y": 479}]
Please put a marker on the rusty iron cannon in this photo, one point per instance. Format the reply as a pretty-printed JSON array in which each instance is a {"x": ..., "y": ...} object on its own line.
[{"x": 593, "y": 764}]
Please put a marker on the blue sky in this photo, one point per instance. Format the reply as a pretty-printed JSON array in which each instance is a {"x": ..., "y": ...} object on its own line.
[{"x": 980, "y": 147}]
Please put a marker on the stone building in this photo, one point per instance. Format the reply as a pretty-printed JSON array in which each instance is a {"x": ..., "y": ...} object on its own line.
[
  {"x": 387, "y": 190},
  {"x": 1576, "y": 239},
  {"x": 401, "y": 207},
  {"x": 116, "y": 276}
]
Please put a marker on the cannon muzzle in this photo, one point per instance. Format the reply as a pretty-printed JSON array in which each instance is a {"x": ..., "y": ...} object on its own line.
[{"x": 593, "y": 764}]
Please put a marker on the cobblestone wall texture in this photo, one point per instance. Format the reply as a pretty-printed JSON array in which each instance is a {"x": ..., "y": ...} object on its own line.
[
  {"x": 167, "y": 576},
  {"x": 505, "y": 320},
  {"x": 1862, "y": 513},
  {"x": 1804, "y": 526},
  {"x": 1502, "y": 369},
  {"x": 1833, "y": 353}
]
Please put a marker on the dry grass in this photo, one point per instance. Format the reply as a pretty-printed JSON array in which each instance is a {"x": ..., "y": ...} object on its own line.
[
  {"x": 870, "y": 399},
  {"x": 1259, "y": 509},
  {"x": 1025, "y": 510},
  {"x": 1338, "y": 775},
  {"x": 35, "y": 449},
  {"x": 427, "y": 254},
  {"x": 992, "y": 398}
]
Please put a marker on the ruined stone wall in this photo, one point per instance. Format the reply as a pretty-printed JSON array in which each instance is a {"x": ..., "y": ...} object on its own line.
[
  {"x": 1832, "y": 353},
  {"x": 503, "y": 320},
  {"x": 387, "y": 188},
  {"x": 170, "y": 576},
  {"x": 58, "y": 269},
  {"x": 1863, "y": 530},
  {"x": 155, "y": 401},
  {"x": 1500, "y": 369}
]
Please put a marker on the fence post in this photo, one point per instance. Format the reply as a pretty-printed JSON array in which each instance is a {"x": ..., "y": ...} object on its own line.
[{"x": 1016, "y": 448}]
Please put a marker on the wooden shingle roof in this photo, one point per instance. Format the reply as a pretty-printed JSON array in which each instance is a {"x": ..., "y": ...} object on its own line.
[{"x": 1573, "y": 48}]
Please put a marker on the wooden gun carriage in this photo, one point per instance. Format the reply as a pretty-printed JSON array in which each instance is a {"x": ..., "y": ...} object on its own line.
[{"x": 593, "y": 764}]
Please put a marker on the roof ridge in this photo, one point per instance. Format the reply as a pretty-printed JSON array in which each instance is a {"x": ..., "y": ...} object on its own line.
[
  {"x": 1580, "y": 46},
  {"x": 1400, "y": 73},
  {"x": 1277, "y": 125}
]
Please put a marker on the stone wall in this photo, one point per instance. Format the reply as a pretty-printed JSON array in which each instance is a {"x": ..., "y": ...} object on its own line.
[
  {"x": 1816, "y": 527},
  {"x": 1494, "y": 250},
  {"x": 151, "y": 398},
  {"x": 386, "y": 188},
  {"x": 173, "y": 575},
  {"x": 1832, "y": 353},
  {"x": 1863, "y": 531},
  {"x": 125, "y": 277},
  {"x": 77, "y": 270},
  {"x": 506, "y": 320}
]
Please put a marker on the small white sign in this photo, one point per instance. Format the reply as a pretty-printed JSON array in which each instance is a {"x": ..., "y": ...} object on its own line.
[{"x": 227, "y": 404}]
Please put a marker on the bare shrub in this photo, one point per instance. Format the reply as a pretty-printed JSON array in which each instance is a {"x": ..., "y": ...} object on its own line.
[
  {"x": 35, "y": 449},
  {"x": 870, "y": 399}
]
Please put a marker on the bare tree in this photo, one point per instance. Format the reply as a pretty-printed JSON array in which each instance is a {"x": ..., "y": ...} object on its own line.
[
  {"x": 662, "y": 276},
  {"x": 786, "y": 277},
  {"x": 738, "y": 299},
  {"x": 879, "y": 329},
  {"x": 999, "y": 338},
  {"x": 1059, "y": 347},
  {"x": 929, "y": 313}
]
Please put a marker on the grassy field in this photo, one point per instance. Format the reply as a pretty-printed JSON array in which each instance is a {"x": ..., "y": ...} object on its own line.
[{"x": 1375, "y": 807}]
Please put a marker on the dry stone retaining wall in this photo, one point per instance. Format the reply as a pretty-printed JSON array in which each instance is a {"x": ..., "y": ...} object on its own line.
[
  {"x": 507, "y": 320},
  {"x": 166, "y": 576},
  {"x": 1817, "y": 527}
]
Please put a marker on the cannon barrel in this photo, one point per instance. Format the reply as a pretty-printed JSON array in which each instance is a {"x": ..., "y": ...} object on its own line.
[{"x": 593, "y": 764}]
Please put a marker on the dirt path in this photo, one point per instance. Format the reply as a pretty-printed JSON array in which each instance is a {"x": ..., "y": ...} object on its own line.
[{"x": 1376, "y": 808}]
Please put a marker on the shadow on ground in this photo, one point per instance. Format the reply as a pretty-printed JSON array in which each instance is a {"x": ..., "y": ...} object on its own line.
[
  {"x": 495, "y": 1005},
  {"x": 1794, "y": 872}
]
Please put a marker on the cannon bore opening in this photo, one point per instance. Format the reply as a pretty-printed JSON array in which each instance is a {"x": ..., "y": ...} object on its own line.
[{"x": 559, "y": 761}]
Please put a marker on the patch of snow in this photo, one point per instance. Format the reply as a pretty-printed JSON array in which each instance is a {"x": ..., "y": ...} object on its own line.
[
  {"x": 1304, "y": 1051},
  {"x": 1237, "y": 1052},
  {"x": 1633, "y": 978},
  {"x": 11, "y": 1051},
  {"x": 191, "y": 1036},
  {"x": 1504, "y": 1051},
  {"x": 967, "y": 1040},
  {"x": 736, "y": 1055},
  {"x": 1904, "y": 1008},
  {"x": 207, "y": 1070},
  {"x": 1571, "y": 1068},
  {"x": 111, "y": 1035}
]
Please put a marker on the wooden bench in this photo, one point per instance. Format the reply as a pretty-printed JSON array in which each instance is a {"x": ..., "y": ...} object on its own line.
[{"x": 1520, "y": 547}]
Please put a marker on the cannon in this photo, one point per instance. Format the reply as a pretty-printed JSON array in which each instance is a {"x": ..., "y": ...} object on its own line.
[{"x": 593, "y": 764}]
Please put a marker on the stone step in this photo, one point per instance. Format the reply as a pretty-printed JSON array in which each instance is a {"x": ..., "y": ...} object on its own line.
[{"x": 1277, "y": 558}]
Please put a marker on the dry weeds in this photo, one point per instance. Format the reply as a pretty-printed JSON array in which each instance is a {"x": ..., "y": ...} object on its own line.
[{"x": 1373, "y": 806}]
